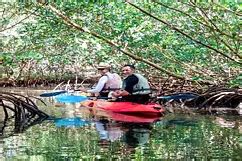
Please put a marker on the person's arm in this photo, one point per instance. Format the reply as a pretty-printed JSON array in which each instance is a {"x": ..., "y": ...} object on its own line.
[
  {"x": 98, "y": 87},
  {"x": 101, "y": 83},
  {"x": 131, "y": 81}
]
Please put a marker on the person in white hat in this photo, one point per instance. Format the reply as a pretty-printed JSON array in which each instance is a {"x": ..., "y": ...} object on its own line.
[{"x": 108, "y": 81}]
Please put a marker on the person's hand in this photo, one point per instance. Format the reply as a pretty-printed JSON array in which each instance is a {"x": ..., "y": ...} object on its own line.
[
  {"x": 116, "y": 93},
  {"x": 83, "y": 89}
]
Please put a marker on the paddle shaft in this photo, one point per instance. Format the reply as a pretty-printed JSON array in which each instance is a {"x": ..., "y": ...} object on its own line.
[
  {"x": 55, "y": 93},
  {"x": 167, "y": 97}
]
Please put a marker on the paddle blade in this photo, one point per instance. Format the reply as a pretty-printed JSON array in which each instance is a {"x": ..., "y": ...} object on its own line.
[
  {"x": 50, "y": 94},
  {"x": 70, "y": 98},
  {"x": 178, "y": 96}
]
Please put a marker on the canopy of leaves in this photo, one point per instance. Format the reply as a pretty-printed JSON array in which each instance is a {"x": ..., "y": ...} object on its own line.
[{"x": 194, "y": 41}]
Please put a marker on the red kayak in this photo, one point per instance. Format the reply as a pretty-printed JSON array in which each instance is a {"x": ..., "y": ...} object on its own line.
[{"x": 149, "y": 110}]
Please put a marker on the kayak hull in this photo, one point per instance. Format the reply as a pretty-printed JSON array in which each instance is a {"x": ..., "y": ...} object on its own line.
[
  {"x": 97, "y": 114},
  {"x": 149, "y": 110},
  {"x": 132, "y": 118}
]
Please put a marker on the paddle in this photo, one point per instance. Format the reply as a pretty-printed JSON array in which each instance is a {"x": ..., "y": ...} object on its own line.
[
  {"x": 75, "y": 98},
  {"x": 178, "y": 96},
  {"x": 70, "y": 98},
  {"x": 55, "y": 93}
]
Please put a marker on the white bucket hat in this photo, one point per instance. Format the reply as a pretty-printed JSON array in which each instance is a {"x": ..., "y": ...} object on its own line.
[{"x": 103, "y": 66}]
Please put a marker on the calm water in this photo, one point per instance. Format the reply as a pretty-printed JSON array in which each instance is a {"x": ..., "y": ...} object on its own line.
[{"x": 77, "y": 134}]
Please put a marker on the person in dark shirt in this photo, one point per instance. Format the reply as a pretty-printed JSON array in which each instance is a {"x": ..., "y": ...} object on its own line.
[{"x": 135, "y": 87}]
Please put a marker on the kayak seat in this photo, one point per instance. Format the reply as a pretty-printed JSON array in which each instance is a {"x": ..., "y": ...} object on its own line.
[
  {"x": 157, "y": 107},
  {"x": 91, "y": 104}
]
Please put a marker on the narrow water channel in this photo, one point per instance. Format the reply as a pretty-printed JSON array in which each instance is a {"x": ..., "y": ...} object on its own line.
[{"x": 74, "y": 133}]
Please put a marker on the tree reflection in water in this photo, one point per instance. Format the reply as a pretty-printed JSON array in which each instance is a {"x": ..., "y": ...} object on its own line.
[{"x": 175, "y": 137}]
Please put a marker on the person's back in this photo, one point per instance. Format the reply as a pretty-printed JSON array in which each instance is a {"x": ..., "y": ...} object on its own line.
[
  {"x": 107, "y": 82},
  {"x": 113, "y": 83}
]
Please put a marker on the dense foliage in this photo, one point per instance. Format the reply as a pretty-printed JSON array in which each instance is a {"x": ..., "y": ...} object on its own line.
[{"x": 192, "y": 41}]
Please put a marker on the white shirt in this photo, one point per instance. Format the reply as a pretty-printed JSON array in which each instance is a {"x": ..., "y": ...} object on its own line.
[
  {"x": 113, "y": 81},
  {"x": 101, "y": 83}
]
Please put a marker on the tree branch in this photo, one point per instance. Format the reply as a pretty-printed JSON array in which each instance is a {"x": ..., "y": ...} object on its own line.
[
  {"x": 216, "y": 28},
  {"x": 187, "y": 66},
  {"x": 126, "y": 52},
  {"x": 185, "y": 34},
  {"x": 19, "y": 21},
  {"x": 210, "y": 27},
  {"x": 200, "y": 22},
  {"x": 229, "y": 10}
]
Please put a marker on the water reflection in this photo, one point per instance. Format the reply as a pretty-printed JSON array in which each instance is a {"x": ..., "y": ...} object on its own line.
[
  {"x": 133, "y": 134},
  {"x": 70, "y": 122},
  {"x": 81, "y": 134},
  {"x": 110, "y": 131},
  {"x": 137, "y": 134}
]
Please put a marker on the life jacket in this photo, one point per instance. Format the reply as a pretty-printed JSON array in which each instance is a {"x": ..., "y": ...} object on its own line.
[
  {"x": 142, "y": 87},
  {"x": 114, "y": 82}
]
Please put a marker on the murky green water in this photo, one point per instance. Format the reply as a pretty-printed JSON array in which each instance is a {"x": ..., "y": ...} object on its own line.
[{"x": 77, "y": 134}]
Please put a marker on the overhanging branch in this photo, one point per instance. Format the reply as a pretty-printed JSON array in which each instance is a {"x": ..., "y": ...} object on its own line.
[
  {"x": 74, "y": 25},
  {"x": 126, "y": 52},
  {"x": 185, "y": 34}
]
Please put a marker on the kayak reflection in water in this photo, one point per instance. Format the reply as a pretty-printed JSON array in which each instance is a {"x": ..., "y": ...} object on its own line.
[{"x": 133, "y": 134}]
